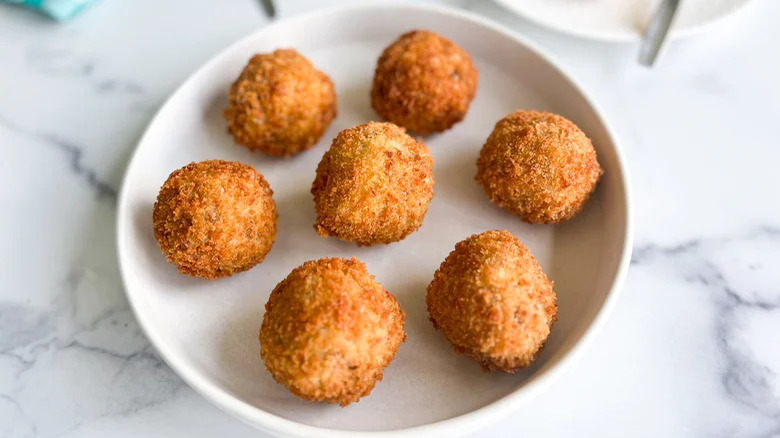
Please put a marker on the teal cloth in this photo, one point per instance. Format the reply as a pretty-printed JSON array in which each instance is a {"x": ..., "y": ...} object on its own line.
[{"x": 57, "y": 9}]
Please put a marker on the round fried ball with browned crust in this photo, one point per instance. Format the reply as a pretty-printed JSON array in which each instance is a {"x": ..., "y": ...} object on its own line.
[
  {"x": 280, "y": 104},
  {"x": 423, "y": 82},
  {"x": 539, "y": 166},
  {"x": 329, "y": 331},
  {"x": 492, "y": 301},
  {"x": 215, "y": 218},
  {"x": 373, "y": 185}
]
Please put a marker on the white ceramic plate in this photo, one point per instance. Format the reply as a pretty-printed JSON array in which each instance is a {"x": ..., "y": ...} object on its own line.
[
  {"x": 620, "y": 20},
  {"x": 207, "y": 330}
]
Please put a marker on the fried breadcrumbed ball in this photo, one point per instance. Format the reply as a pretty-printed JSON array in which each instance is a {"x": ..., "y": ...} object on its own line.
[
  {"x": 280, "y": 104},
  {"x": 215, "y": 218},
  {"x": 329, "y": 331},
  {"x": 373, "y": 185},
  {"x": 423, "y": 82},
  {"x": 539, "y": 166},
  {"x": 492, "y": 301}
]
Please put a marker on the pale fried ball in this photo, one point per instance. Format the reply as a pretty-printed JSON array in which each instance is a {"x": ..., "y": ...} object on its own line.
[
  {"x": 539, "y": 166},
  {"x": 280, "y": 104},
  {"x": 330, "y": 330},
  {"x": 423, "y": 82},
  {"x": 492, "y": 301},
  {"x": 373, "y": 185},
  {"x": 215, "y": 218}
]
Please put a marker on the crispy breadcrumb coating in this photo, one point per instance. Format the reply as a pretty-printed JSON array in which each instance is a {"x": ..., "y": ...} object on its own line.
[
  {"x": 215, "y": 218},
  {"x": 373, "y": 185},
  {"x": 539, "y": 166},
  {"x": 329, "y": 331},
  {"x": 492, "y": 301},
  {"x": 280, "y": 104},
  {"x": 423, "y": 82}
]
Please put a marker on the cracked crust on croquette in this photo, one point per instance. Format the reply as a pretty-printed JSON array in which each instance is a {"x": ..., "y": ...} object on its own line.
[
  {"x": 373, "y": 185},
  {"x": 215, "y": 218},
  {"x": 329, "y": 331},
  {"x": 539, "y": 166},
  {"x": 423, "y": 82},
  {"x": 492, "y": 301},
  {"x": 280, "y": 104}
]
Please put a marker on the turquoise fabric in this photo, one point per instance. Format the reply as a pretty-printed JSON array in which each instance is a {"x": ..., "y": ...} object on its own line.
[{"x": 57, "y": 9}]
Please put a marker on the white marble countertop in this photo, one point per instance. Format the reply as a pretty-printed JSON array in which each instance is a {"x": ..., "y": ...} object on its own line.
[{"x": 693, "y": 348}]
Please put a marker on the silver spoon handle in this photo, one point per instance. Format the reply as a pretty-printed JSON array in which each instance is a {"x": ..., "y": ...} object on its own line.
[
  {"x": 268, "y": 7},
  {"x": 657, "y": 32}
]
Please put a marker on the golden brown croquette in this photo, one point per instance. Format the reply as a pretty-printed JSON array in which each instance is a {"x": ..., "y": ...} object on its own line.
[
  {"x": 423, "y": 82},
  {"x": 329, "y": 331},
  {"x": 280, "y": 104},
  {"x": 373, "y": 185},
  {"x": 215, "y": 218},
  {"x": 538, "y": 166},
  {"x": 492, "y": 301}
]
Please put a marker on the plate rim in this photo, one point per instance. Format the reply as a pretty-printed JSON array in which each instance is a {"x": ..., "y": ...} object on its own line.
[
  {"x": 674, "y": 34},
  {"x": 457, "y": 425}
]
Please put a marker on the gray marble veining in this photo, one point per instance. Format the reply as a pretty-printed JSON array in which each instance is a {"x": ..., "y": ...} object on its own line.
[
  {"x": 73, "y": 157},
  {"x": 706, "y": 262}
]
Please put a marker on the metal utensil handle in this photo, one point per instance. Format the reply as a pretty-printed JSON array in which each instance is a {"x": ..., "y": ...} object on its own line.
[
  {"x": 657, "y": 32},
  {"x": 269, "y": 8}
]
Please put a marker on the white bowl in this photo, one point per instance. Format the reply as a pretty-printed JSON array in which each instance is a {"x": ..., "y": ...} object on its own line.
[
  {"x": 207, "y": 330},
  {"x": 623, "y": 21}
]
